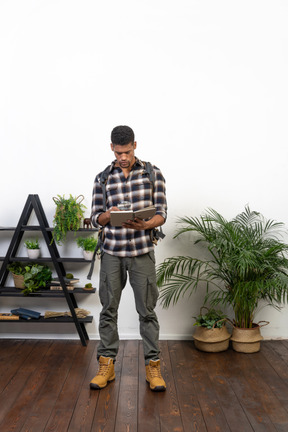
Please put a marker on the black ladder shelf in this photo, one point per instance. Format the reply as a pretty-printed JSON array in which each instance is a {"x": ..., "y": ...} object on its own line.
[{"x": 33, "y": 203}]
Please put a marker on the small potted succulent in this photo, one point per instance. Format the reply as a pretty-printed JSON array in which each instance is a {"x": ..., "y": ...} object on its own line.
[
  {"x": 33, "y": 248},
  {"x": 88, "y": 244}
]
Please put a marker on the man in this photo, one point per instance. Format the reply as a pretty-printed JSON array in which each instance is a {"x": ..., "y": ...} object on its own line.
[{"x": 128, "y": 249}]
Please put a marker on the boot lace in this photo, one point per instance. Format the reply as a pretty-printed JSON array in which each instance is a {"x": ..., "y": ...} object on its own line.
[
  {"x": 103, "y": 369},
  {"x": 155, "y": 371}
]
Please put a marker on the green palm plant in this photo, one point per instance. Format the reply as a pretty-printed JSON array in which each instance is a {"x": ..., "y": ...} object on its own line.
[{"x": 246, "y": 264}]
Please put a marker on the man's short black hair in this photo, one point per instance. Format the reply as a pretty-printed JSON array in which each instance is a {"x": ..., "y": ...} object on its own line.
[{"x": 122, "y": 135}]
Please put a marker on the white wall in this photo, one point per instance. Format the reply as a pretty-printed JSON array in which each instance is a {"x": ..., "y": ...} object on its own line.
[{"x": 202, "y": 83}]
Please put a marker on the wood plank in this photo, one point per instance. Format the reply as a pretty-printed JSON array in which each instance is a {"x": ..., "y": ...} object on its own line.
[
  {"x": 269, "y": 401},
  {"x": 168, "y": 405},
  {"x": 148, "y": 411},
  {"x": 215, "y": 419},
  {"x": 276, "y": 353},
  {"x": 182, "y": 366},
  {"x": 49, "y": 381},
  {"x": 278, "y": 384},
  {"x": 13, "y": 355},
  {"x": 242, "y": 383},
  {"x": 126, "y": 416},
  {"x": 106, "y": 410},
  {"x": 216, "y": 365},
  {"x": 85, "y": 407},
  {"x": 65, "y": 402},
  {"x": 12, "y": 394}
]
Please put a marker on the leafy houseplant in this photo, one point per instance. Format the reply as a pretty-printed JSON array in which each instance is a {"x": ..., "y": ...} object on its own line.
[
  {"x": 211, "y": 319},
  {"x": 16, "y": 268},
  {"x": 32, "y": 244},
  {"x": 68, "y": 216},
  {"x": 211, "y": 334},
  {"x": 88, "y": 244},
  {"x": 246, "y": 264},
  {"x": 35, "y": 276}
]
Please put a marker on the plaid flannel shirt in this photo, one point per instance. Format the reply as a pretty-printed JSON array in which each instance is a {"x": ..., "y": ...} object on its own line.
[{"x": 139, "y": 191}]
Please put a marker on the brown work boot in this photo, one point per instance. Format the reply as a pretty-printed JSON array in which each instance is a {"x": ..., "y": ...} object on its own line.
[
  {"x": 154, "y": 377},
  {"x": 105, "y": 373}
]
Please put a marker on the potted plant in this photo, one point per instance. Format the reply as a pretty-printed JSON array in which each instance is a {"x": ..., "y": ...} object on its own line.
[
  {"x": 68, "y": 216},
  {"x": 33, "y": 248},
  {"x": 33, "y": 276},
  {"x": 88, "y": 287},
  {"x": 211, "y": 334},
  {"x": 246, "y": 264},
  {"x": 36, "y": 276},
  {"x": 88, "y": 244},
  {"x": 18, "y": 270}
]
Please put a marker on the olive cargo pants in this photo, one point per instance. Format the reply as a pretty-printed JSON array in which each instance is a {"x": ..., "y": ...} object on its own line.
[{"x": 142, "y": 278}]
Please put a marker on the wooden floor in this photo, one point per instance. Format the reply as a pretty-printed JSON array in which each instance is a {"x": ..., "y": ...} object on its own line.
[{"x": 44, "y": 386}]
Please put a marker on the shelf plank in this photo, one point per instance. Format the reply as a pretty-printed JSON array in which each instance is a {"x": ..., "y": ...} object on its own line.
[
  {"x": 65, "y": 319},
  {"x": 47, "y": 259},
  {"x": 38, "y": 228},
  {"x": 16, "y": 292}
]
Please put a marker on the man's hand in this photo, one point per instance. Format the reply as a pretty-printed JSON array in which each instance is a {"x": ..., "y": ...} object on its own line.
[
  {"x": 137, "y": 224},
  {"x": 140, "y": 224},
  {"x": 105, "y": 217}
]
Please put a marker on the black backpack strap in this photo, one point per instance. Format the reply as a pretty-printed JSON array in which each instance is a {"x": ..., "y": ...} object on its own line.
[
  {"x": 103, "y": 180},
  {"x": 98, "y": 248},
  {"x": 149, "y": 169},
  {"x": 157, "y": 233}
]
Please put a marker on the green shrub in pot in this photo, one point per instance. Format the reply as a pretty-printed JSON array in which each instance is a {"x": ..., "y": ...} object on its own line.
[
  {"x": 246, "y": 263},
  {"x": 68, "y": 216}
]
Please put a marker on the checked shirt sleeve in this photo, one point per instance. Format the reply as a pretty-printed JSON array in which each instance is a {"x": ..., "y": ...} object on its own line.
[
  {"x": 159, "y": 196},
  {"x": 97, "y": 202}
]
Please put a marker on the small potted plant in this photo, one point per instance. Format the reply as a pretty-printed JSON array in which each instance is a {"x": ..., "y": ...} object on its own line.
[
  {"x": 18, "y": 270},
  {"x": 88, "y": 287},
  {"x": 33, "y": 248},
  {"x": 68, "y": 216},
  {"x": 211, "y": 334},
  {"x": 88, "y": 244}
]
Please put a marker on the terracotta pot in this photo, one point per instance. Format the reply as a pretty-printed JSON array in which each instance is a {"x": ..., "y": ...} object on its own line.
[{"x": 211, "y": 340}]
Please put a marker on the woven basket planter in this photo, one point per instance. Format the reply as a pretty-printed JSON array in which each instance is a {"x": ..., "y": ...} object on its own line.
[
  {"x": 211, "y": 340},
  {"x": 247, "y": 340},
  {"x": 18, "y": 281}
]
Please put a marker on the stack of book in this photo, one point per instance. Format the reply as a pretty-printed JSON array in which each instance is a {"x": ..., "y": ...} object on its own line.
[{"x": 56, "y": 285}]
